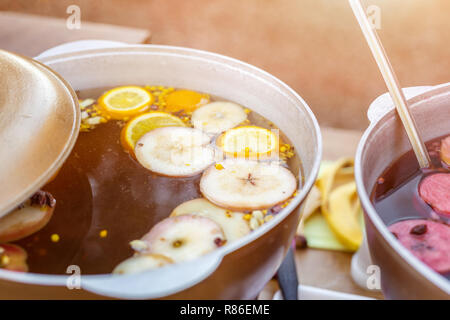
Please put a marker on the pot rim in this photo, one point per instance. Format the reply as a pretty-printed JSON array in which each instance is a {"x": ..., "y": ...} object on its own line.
[
  {"x": 364, "y": 197},
  {"x": 59, "y": 280}
]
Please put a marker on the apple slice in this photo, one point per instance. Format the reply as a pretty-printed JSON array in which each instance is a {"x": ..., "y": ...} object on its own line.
[
  {"x": 429, "y": 241},
  {"x": 434, "y": 189},
  {"x": 175, "y": 151},
  {"x": 241, "y": 185},
  {"x": 29, "y": 218},
  {"x": 184, "y": 238},
  {"x": 140, "y": 263},
  {"x": 13, "y": 258},
  {"x": 232, "y": 223},
  {"x": 217, "y": 117}
]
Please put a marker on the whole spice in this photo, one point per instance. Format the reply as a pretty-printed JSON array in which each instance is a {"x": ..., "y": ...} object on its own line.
[
  {"x": 43, "y": 198},
  {"x": 254, "y": 223},
  {"x": 300, "y": 242},
  {"x": 219, "y": 242},
  {"x": 419, "y": 229},
  {"x": 257, "y": 214},
  {"x": 277, "y": 208},
  {"x": 55, "y": 237}
]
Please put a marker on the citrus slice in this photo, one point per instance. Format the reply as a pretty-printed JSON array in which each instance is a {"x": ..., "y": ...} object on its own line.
[
  {"x": 124, "y": 102},
  {"x": 144, "y": 123},
  {"x": 249, "y": 142},
  {"x": 185, "y": 100}
]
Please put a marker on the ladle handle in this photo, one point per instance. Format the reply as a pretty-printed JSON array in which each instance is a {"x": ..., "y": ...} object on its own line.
[{"x": 392, "y": 84}]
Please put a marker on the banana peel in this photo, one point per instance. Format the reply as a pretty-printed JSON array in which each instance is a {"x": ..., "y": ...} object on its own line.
[
  {"x": 331, "y": 216},
  {"x": 312, "y": 203},
  {"x": 342, "y": 216},
  {"x": 340, "y": 206},
  {"x": 319, "y": 235}
]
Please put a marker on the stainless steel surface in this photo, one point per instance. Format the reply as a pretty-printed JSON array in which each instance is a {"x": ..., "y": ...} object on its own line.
[
  {"x": 39, "y": 121},
  {"x": 287, "y": 277},
  {"x": 402, "y": 275},
  {"x": 223, "y": 274}
]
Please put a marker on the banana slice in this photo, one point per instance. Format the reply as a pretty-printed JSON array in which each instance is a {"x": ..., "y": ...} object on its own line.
[
  {"x": 175, "y": 151},
  {"x": 217, "y": 117},
  {"x": 141, "y": 263},
  {"x": 239, "y": 184},
  {"x": 233, "y": 224},
  {"x": 184, "y": 238}
]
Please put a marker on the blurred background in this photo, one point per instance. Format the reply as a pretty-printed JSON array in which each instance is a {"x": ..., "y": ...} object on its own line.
[{"x": 315, "y": 46}]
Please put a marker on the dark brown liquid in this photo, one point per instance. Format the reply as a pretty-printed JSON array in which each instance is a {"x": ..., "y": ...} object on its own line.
[
  {"x": 101, "y": 187},
  {"x": 396, "y": 196}
]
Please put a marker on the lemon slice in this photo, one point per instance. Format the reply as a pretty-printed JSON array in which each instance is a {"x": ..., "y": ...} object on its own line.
[
  {"x": 144, "y": 123},
  {"x": 185, "y": 100},
  {"x": 124, "y": 102},
  {"x": 249, "y": 142}
]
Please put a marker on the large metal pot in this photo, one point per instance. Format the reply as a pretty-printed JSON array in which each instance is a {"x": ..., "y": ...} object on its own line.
[
  {"x": 236, "y": 271},
  {"x": 403, "y": 276}
]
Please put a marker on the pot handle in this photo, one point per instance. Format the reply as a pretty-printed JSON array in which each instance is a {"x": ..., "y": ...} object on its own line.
[
  {"x": 383, "y": 103},
  {"x": 80, "y": 45},
  {"x": 156, "y": 283}
]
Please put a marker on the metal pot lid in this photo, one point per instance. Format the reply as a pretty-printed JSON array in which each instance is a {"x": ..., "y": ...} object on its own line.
[{"x": 39, "y": 124}]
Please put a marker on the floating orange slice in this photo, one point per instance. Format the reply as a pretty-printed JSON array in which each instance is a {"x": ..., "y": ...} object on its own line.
[
  {"x": 124, "y": 102},
  {"x": 185, "y": 100},
  {"x": 249, "y": 142},
  {"x": 144, "y": 123}
]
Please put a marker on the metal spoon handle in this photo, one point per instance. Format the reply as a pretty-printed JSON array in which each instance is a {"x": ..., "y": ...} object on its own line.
[
  {"x": 392, "y": 84},
  {"x": 287, "y": 277}
]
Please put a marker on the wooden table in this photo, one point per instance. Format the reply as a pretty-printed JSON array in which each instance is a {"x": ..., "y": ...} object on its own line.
[
  {"x": 334, "y": 273},
  {"x": 30, "y": 35},
  {"x": 323, "y": 268}
]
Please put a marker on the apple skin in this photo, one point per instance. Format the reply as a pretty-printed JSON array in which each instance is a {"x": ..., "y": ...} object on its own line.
[
  {"x": 23, "y": 222},
  {"x": 17, "y": 258},
  {"x": 30, "y": 217}
]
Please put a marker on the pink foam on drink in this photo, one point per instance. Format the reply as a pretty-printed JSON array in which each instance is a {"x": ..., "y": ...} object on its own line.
[
  {"x": 435, "y": 190},
  {"x": 429, "y": 241}
]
